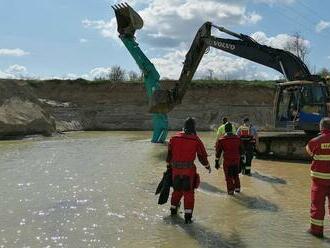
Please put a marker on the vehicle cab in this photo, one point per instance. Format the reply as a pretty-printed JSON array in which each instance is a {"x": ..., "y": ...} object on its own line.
[{"x": 301, "y": 105}]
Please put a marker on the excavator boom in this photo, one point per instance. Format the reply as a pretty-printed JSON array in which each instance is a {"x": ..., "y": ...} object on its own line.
[
  {"x": 246, "y": 47},
  {"x": 243, "y": 46}
]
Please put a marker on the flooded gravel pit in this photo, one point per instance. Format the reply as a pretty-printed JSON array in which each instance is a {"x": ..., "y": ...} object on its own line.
[{"x": 96, "y": 189}]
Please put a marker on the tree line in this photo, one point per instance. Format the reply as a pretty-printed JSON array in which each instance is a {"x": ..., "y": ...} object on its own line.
[{"x": 118, "y": 74}]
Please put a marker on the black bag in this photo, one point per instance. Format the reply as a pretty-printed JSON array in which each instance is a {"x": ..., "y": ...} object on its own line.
[{"x": 163, "y": 188}]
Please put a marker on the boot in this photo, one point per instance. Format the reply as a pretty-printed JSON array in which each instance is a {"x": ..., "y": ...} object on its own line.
[
  {"x": 174, "y": 209},
  {"x": 188, "y": 218},
  {"x": 230, "y": 192},
  {"x": 315, "y": 234},
  {"x": 248, "y": 173},
  {"x": 237, "y": 190}
]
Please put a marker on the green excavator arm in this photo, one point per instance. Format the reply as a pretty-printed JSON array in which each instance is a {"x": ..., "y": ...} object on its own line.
[{"x": 128, "y": 21}]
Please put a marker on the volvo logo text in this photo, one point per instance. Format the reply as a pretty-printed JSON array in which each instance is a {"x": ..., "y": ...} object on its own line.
[{"x": 223, "y": 45}]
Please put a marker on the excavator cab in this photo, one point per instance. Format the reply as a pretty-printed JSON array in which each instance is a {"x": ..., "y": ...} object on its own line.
[{"x": 300, "y": 105}]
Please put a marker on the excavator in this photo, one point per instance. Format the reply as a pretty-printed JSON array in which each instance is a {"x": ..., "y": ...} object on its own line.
[
  {"x": 300, "y": 102},
  {"x": 128, "y": 22}
]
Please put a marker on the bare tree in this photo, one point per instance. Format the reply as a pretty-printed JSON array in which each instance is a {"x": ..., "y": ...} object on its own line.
[
  {"x": 133, "y": 76},
  {"x": 298, "y": 46},
  {"x": 117, "y": 74},
  {"x": 141, "y": 76},
  {"x": 324, "y": 72},
  {"x": 210, "y": 77}
]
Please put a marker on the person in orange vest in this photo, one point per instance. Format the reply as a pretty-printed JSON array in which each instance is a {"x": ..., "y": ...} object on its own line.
[
  {"x": 231, "y": 146},
  {"x": 319, "y": 149},
  {"x": 249, "y": 137},
  {"x": 182, "y": 150}
]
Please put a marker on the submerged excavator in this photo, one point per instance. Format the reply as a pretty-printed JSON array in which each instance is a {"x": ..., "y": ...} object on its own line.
[
  {"x": 128, "y": 21},
  {"x": 300, "y": 102}
]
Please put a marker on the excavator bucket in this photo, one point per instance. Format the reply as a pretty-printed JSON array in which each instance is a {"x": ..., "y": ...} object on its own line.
[
  {"x": 128, "y": 20},
  {"x": 161, "y": 102}
]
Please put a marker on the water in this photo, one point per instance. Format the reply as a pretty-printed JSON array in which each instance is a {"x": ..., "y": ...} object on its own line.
[{"x": 96, "y": 189}]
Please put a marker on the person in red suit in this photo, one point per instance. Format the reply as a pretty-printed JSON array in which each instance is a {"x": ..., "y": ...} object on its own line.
[
  {"x": 182, "y": 150},
  {"x": 231, "y": 146},
  {"x": 249, "y": 137},
  {"x": 319, "y": 149}
]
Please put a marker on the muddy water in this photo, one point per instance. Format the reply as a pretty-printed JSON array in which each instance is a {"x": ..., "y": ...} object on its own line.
[{"x": 96, "y": 189}]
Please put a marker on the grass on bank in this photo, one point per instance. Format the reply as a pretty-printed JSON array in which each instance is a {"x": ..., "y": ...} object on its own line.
[{"x": 194, "y": 83}]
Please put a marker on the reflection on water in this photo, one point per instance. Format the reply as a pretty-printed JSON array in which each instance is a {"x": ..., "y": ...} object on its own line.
[{"x": 96, "y": 189}]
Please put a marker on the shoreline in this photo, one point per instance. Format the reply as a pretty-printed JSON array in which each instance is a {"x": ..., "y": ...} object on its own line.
[{"x": 31, "y": 106}]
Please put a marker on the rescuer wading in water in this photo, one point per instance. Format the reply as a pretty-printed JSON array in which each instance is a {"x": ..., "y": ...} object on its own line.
[
  {"x": 221, "y": 129},
  {"x": 319, "y": 149},
  {"x": 182, "y": 150},
  {"x": 249, "y": 137},
  {"x": 230, "y": 145}
]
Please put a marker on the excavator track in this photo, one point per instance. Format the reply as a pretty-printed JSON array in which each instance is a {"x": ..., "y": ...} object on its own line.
[{"x": 284, "y": 145}]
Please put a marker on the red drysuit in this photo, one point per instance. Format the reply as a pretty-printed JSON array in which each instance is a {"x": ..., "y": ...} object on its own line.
[
  {"x": 231, "y": 146},
  {"x": 319, "y": 148},
  {"x": 182, "y": 150}
]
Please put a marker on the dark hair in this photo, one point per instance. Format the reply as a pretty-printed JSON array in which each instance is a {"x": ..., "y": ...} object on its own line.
[
  {"x": 246, "y": 120},
  {"x": 228, "y": 128},
  {"x": 189, "y": 126},
  {"x": 325, "y": 123},
  {"x": 224, "y": 120}
]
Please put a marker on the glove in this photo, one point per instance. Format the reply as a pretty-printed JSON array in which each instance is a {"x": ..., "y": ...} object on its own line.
[
  {"x": 217, "y": 164},
  {"x": 243, "y": 158},
  {"x": 208, "y": 167}
]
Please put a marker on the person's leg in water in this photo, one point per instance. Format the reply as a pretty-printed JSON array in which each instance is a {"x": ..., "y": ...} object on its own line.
[
  {"x": 229, "y": 180},
  {"x": 175, "y": 202}
]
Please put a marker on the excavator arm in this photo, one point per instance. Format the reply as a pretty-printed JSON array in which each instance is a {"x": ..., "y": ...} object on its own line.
[
  {"x": 246, "y": 47},
  {"x": 128, "y": 21},
  {"x": 193, "y": 58},
  {"x": 243, "y": 46},
  {"x": 163, "y": 101}
]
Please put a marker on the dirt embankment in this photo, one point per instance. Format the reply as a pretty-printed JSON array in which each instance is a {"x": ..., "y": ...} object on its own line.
[
  {"x": 77, "y": 105},
  {"x": 28, "y": 107},
  {"x": 21, "y": 113}
]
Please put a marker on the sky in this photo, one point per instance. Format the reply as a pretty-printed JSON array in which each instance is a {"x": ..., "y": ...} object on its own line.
[{"x": 70, "y": 38}]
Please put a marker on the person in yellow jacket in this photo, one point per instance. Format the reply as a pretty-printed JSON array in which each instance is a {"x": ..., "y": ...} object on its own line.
[{"x": 221, "y": 130}]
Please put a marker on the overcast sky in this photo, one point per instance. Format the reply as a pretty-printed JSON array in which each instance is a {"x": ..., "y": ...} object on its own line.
[{"x": 75, "y": 38}]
